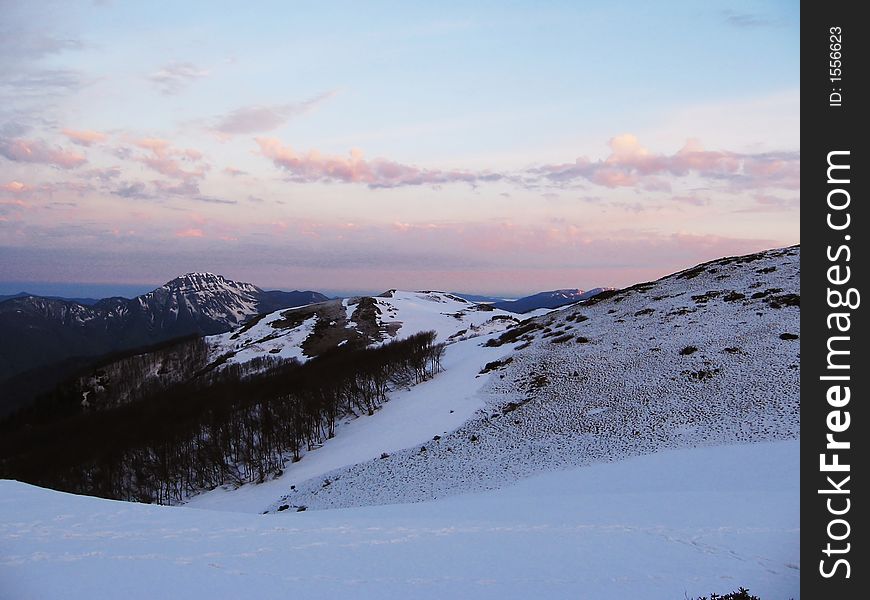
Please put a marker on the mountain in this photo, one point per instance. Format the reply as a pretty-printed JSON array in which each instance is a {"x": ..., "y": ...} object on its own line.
[
  {"x": 479, "y": 298},
  {"x": 707, "y": 356},
  {"x": 296, "y": 335},
  {"x": 85, "y": 301},
  {"x": 38, "y": 332},
  {"x": 618, "y": 429},
  {"x": 553, "y": 299}
]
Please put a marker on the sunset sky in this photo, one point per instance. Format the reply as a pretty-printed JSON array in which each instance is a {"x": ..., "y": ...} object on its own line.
[{"x": 490, "y": 147}]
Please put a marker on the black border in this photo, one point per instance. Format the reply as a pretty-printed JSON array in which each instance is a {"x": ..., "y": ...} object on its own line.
[{"x": 826, "y": 128}]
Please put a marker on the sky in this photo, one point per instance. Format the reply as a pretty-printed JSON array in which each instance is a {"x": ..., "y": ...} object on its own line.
[{"x": 489, "y": 147}]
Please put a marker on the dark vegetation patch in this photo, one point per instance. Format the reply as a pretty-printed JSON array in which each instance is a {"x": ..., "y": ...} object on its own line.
[
  {"x": 582, "y": 340},
  {"x": 783, "y": 300},
  {"x": 688, "y": 350},
  {"x": 562, "y": 338},
  {"x": 766, "y": 270},
  {"x": 459, "y": 333},
  {"x": 765, "y": 293},
  {"x": 733, "y": 296},
  {"x": 290, "y": 319},
  {"x": 644, "y": 311},
  {"x": 248, "y": 325},
  {"x": 691, "y": 273},
  {"x": 496, "y": 364},
  {"x": 512, "y": 406},
  {"x": 789, "y": 336},
  {"x": 534, "y": 382},
  {"x": 733, "y": 350},
  {"x": 704, "y": 298},
  {"x": 701, "y": 374},
  {"x": 679, "y": 312},
  {"x": 521, "y": 332}
]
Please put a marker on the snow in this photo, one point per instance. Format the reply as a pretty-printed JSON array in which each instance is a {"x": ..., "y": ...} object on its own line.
[
  {"x": 403, "y": 314},
  {"x": 412, "y": 416},
  {"x": 262, "y": 339},
  {"x": 616, "y": 464},
  {"x": 434, "y": 311},
  {"x": 664, "y": 526},
  {"x": 543, "y": 409}
]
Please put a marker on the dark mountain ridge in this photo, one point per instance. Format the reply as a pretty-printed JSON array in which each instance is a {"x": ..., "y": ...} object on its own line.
[
  {"x": 552, "y": 299},
  {"x": 37, "y": 331}
]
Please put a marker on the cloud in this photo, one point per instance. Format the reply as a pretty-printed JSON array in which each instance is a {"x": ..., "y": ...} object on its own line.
[
  {"x": 746, "y": 20},
  {"x": 170, "y": 161},
  {"x": 631, "y": 165},
  {"x": 136, "y": 189},
  {"x": 105, "y": 175},
  {"x": 190, "y": 233},
  {"x": 18, "y": 44},
  {"x": 14, "y": 187},
  {"x": 175, "y": 76},
  {"x": 234, "y": 172},
  {"x": 259, "y": 119},
  {"x": 37, "y": 151},
  {"x": 376, "y": 173},
  {"x": 84, "y": 137},
  {"x": 43, "y": 81}
]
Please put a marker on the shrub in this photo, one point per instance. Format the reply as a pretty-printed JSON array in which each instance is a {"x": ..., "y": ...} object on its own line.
[{"x": 741, "y": 594}]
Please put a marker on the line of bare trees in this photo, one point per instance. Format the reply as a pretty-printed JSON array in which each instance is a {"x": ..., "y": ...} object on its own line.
[{"x": 225, "y": 426}]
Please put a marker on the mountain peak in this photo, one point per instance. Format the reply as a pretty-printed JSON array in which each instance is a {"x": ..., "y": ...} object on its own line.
[{"x": 205, "y": 281}]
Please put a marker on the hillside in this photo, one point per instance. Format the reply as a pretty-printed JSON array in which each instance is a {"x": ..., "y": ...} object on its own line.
[
  {"x": 703, "y": 357},
  {"x": 38, "y": 333}
]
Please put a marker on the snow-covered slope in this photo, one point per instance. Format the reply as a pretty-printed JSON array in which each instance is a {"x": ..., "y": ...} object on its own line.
[
  {"x": 667, "y": 526},
  {"x": 432, "y": 408},
  {"x": 302, "y": 333},
  {"x": 694, "y": 359},
  {"x": 703, "y": 357}
]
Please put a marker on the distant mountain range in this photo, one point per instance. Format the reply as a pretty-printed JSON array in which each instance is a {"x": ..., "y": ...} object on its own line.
[
  {"x": 85, "y": 301},
  {"x": 551, "y": 299},
  {"x": 38, "y": 332}
]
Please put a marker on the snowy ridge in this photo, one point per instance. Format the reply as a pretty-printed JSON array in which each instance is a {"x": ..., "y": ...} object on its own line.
[
  {"x": 704, "y": 357},
  {"x": 307, "y": 331}
]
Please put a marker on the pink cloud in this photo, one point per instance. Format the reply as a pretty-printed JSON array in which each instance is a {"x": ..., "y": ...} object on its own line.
[
  {"x": 631, "y": 165},
  {"x": 379, "y": 172},
  {"x": 178, "y": 163},
  {"x": 15, "y": 187},
  {"x": 84, "y": 137},
  {"x": 36, "y": 151},
  {"x": 190, "y": 233}
]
